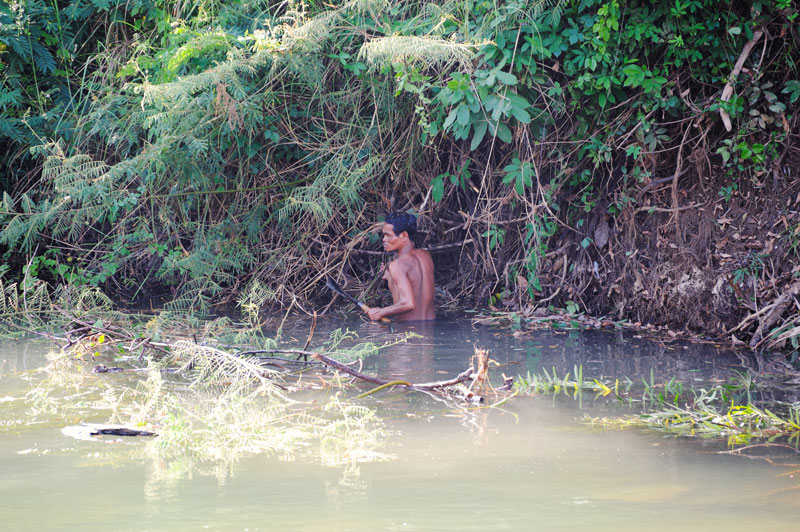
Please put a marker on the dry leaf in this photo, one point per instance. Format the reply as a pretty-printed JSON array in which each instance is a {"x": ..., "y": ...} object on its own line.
[{"x": 601, "y": 234}]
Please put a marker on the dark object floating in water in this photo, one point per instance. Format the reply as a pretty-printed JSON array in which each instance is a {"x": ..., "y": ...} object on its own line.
[
  {"x": 123, "y": 431},
  {"x": 87, "y": 430},
  {"x": 102, "y": 368}
]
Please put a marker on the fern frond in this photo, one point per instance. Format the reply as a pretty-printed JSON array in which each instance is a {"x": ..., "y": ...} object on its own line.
[
  {"x": 310, "y": 199},
  {"x": 72, "y": 175},
  {"x": 10, "y": 128},
  {"x": 426, "y": 50},
  {"x": 27, "y": 305},
  {"x": 42, "y": 58},
  {"x": 19, "y": 45},
  {"x": 209, "y": 366},
  {"x": 373, "y": 7},
  {"x": 82, "y": 299},
  {"x": 312, "y": 34},
  {"x": 253, "y": 300},
  {"x": 10, "y": 98}
]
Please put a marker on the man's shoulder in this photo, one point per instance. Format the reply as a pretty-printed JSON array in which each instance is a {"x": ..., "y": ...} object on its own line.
[
  {"x": 403, "y": 261},
  {"x": 422, "y": 255},
  {"x": 415, "y": 260},
  {"x": 409, "y": 260}
]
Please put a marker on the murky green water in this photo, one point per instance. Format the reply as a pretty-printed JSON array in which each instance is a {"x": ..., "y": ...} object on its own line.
[{"x": 532, "y": 465}]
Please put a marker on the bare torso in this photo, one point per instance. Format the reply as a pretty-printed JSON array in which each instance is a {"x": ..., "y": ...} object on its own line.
[
  {"x": 415, "y": 268},
  {"x": 410, "y": 278}
]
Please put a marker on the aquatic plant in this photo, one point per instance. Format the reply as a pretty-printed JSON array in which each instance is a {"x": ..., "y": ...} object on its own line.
[
  {"x": 550, "y": 383},
  {"x": 208, "y": 405},
  {"x": 721, "y": 411},
  {"x": 738, "y": 424}
]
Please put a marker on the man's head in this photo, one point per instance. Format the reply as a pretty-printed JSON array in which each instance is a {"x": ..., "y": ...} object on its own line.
[{"x": 398, "y": 228}]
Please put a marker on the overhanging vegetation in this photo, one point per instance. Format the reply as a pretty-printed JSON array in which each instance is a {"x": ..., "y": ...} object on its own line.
[{"x": 633, "y": 159}]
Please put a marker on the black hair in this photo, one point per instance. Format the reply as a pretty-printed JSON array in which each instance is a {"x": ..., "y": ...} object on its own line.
[{"x": 402, "y": 221}]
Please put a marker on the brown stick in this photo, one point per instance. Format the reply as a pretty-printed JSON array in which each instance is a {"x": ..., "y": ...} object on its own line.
[
  {"x": 773, "y": 311},
  {"x": 466, "y": 375},
  {"x": 779, "y": 305},
  {"x": 728, "y": 90},
  {"x": 674, "y": 189},
  {"x": 276, "y": 351},
  {"x": 311, "y": 331},
  {"x": 431, "y": 249}
]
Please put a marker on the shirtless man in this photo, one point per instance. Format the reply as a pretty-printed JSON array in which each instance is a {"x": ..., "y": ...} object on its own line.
[{"x": 410, "y": 274}]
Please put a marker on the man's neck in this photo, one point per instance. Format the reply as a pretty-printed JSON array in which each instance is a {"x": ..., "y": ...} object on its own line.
[{"x": 407, "y": 248}]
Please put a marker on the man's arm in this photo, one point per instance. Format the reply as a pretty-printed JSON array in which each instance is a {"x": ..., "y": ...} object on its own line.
[{"x": 403, "y": 294}]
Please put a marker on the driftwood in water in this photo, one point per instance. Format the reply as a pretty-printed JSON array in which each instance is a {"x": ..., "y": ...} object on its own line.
[{"x": 460, "y": 378}]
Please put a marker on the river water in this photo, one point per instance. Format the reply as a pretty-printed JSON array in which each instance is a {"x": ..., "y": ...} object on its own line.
[{"x": 532, "y": 464}]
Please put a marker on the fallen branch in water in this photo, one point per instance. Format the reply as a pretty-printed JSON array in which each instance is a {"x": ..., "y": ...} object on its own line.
[
  {"x": 461, "y": 377},
  {"x": 300, "y": 352},
  {"x": 382, "y": 386}
]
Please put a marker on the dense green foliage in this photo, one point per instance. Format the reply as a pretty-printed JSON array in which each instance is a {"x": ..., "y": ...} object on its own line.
[{"x": 205, "y": 147}]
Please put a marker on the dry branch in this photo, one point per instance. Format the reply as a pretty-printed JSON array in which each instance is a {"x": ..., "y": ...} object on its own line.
[
  {"x": 728, "y": 90},
  {"x": 770, "y": 313},
  {"x": 461, "y": 377}
]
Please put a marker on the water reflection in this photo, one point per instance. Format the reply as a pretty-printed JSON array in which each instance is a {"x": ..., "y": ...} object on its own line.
[
  {"x": 447, "y": 345},
  {"x": 529, "y": 462},
  {"x": 412, "y": 360},
  {"x": 23, "y": 355}
]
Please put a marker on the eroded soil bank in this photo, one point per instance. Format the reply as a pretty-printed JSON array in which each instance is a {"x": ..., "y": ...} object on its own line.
[{"x": 683, "y": 257}]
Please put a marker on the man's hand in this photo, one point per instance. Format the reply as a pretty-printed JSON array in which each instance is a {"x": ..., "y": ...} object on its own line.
[{"x": 374, "y": 314}]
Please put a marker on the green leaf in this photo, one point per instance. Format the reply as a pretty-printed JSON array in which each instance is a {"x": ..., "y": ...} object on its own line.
[
  {"x": 777, "y": 107},
  {"x": 513, "y": 166},
  {"x": 792, "y": 88},
  {"x": 491, "y": 102},
  {"x": 499, "y": 110},
  {"x": 462, "y": 114},
  {"x": 520, "y": 114},
  {"x": 517, "y": 100},
  {"x": 526, "y": 175},
  {"x": 503, "y": 133},
  {"x": 634, "y": 74},
  {"x": 633, "y": 151},
  {"x": 518, "y": 186},
  {"x": 506, "y": 77},
  {"x": 451, "y": 117},
  {"x": 479, "y": 133},
  {"x": 437, "y": 188}
]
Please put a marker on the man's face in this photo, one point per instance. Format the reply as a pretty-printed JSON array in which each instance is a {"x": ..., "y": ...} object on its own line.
[{"x": 391, "y": 241}]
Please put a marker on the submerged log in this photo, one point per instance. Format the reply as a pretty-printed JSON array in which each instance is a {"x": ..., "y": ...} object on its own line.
[{"x": 460, "y": 378}]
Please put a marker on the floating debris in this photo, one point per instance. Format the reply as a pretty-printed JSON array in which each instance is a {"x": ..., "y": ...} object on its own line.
[{"x": 86, "y": 431}]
